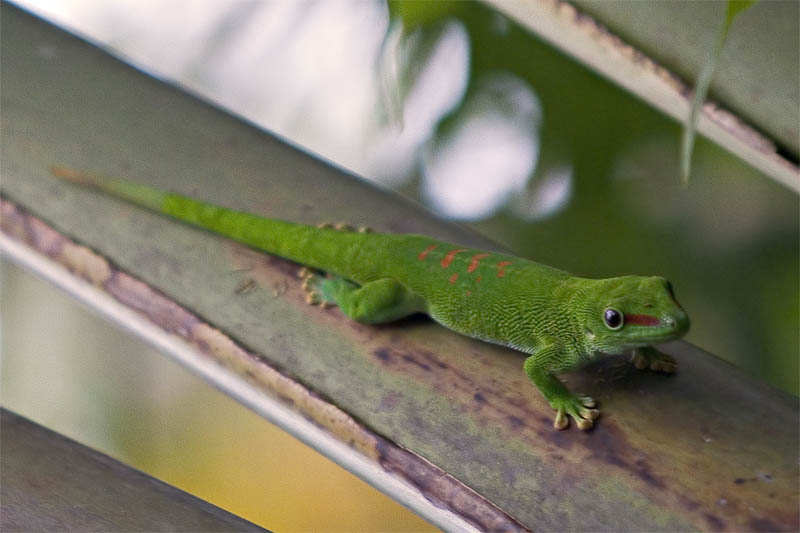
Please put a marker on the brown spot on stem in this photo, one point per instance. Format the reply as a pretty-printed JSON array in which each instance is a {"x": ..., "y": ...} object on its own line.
[
  {"x": 383, "y": 354},
  {"x": 413, "y": 360},
  {"x": 515, "y": 421},
  {"x": 764, "y": 524},
  {"x": 714, "y": 522}
]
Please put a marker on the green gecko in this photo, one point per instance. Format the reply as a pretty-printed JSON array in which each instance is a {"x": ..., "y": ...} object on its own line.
[{"x": 560, "y": 320}]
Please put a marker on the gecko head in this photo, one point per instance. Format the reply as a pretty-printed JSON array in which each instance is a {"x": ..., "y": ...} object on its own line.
[{"x": 632, "y": 311}]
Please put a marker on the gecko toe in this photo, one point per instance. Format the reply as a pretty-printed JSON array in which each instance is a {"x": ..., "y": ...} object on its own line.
[
  {"x": 589, "y": 414},
  {"x": 666, "y": 366},
  {"x": 344, "y": 226},
  {"x": 561, "y": 421},
  {"x": 652, "y": 359},
  {"x": 639, "y": 360},
  {"x": 315, "y": 298},
  {"x": 577, "y": 407},
  {"x": 311, "y": 286},
  {"x": 312, "y": 298}
]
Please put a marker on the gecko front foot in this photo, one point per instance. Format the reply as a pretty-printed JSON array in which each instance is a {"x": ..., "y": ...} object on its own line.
[
  {"x": 649, "y": 357},
  {"x": 581, "y": 408},
  {"x": 566, "y": 403}
]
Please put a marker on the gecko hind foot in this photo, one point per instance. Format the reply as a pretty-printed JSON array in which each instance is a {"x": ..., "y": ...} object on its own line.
[
  {"x": 580, "y": 408},
  {"x": 343, "y": 226},
  {"x": 650, "y": 358},
  {"x": 311, "y": 286}
]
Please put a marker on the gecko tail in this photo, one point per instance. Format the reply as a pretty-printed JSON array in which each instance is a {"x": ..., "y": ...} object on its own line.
[
  {"x": 75, "y": 176},
  {"x": 322, "y": 248},
  {"x": 143, "y": 195}
]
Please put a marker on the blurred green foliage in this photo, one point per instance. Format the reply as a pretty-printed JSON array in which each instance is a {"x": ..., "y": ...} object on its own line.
[
  {"x": 734, "y": 8},
  {"x": 729, "y": 242}
]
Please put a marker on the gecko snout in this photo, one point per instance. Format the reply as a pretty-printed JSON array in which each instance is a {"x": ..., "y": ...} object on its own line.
[{"x": 677, "y": 321}]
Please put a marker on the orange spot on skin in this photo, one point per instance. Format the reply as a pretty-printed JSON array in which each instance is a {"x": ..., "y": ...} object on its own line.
[
  {"x": 424, "y": 253},
  {"x": 501, "y": 268},
  {"x": 473, "y": 264},
  {"x": 469, "y": 293},
  {"x": 478, "y": 279},
  {"x": 450, "y": 256},
  {"x": 453, "y": 278}
]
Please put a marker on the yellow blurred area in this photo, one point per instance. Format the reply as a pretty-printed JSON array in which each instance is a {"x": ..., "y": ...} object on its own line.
[{"x": 74, "y": 373}]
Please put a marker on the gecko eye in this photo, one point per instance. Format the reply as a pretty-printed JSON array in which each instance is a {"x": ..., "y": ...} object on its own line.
[{"x": 612, "y": 318}]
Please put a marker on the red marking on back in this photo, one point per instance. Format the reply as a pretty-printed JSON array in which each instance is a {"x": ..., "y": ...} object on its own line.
[
  {"x": 424, "y": 253},
  {"x": 450, "y": 256},
  {"x": 501, "y": 268},
  {"x": 453, "y": 278},
  {"x": 642, "y": 320},
  {"x": 478, "y": 279},
  {"x": 473, "y": 264},
  {"x": 469, "y": 293}
]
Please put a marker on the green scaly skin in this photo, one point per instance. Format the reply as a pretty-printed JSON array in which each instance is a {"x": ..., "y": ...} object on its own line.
[{"x": 561, "y": 320}]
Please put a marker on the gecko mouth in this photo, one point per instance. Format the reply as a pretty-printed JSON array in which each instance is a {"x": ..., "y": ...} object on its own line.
[
  {"x": 655, "y": 329},
  {"x": 642, "y": 320}
]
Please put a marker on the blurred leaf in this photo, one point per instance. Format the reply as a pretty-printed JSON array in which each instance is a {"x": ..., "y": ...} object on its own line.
[
  {"x": 405, "y": 54},
  {"x": 416, "y": 14},
  {"x": 649, "y": 47},
  {"x": 735, "y": 7}
]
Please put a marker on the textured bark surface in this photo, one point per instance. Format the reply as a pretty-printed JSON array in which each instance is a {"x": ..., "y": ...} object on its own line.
[{"x": 705, "y": 449}]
